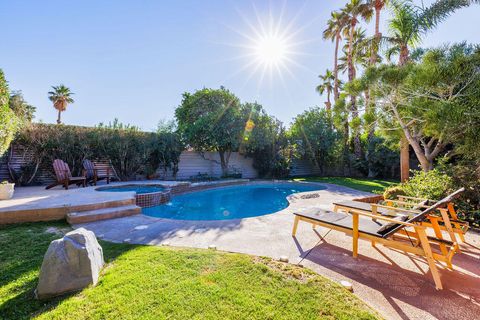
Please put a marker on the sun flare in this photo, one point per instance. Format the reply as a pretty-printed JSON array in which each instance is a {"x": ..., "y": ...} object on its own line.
[
  {"x": 271, "y": 50},
  {"x": 270, "y": 45}
]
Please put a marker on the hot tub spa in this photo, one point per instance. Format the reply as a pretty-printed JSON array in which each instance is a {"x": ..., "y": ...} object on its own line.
[{"x": 146, "y": 195}]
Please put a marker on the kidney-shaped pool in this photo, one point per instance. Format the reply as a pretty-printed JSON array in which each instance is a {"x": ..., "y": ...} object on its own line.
[{"x": 233, "y": 202}]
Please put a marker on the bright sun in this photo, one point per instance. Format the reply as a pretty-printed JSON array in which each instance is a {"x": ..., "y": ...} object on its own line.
[
  {"x": 270, "y": 46},
  {"x": 271, "y": 50}
]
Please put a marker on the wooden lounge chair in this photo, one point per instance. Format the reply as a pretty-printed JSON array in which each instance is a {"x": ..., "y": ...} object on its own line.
[
  {"x": 446, "y": 220},
  {"x": 64, "y": 176},
  {"x": 382, "y": 229},
  {"x": 96, "y": 171},
  {"x": 459, "y": 227}
]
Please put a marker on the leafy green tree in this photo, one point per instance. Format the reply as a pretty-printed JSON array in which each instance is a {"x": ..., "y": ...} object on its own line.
[
  {"x": 425, "y": 100},
  {"x": 61, "y": 96},
  {"x": 8, "y": 120},
  {"x": 313, "y": 137},
  {"x": 22, "y": 109},
  {"x": 211, "y": 120},
  {"x": 266, "y": 142}
]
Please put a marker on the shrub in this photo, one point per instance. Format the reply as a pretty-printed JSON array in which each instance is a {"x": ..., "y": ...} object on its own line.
[
  {"x": 130, "y": 150},
  {"x": 393, "y": 192},
  {"x": 8, "y": 120},
  {"x": 433, "y": 184}
]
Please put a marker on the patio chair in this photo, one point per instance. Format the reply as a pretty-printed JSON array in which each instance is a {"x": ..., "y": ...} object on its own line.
[
  {"x": 382, "y": 229},
  {"x": 446, "y": 221},
  {"x": 96, "y": 171},
  {"x": 64, "y": 176}
]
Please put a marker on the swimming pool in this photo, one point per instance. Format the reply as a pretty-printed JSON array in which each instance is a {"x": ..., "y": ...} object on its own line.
[{"x": 233, "y": 202}]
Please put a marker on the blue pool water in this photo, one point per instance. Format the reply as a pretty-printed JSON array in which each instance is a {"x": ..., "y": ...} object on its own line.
[
  {"x": 139, "y": 189},
  {"x": 233, "y": 202}
]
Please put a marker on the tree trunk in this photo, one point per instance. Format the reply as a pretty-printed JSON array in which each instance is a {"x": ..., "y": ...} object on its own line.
[
  {"x": 404, "y": 159},
  {"x": 404, "y": 148},
  {"x": 369, "y": 104},
  {"x": 224, "y": 159},
  {"x": 59, "y": 117},
  {"x": 404, "y": 53},
  {"x": 336, "y": 91},
  {"x": 357, "y": 146},
  {"x": 328, "y": 104}
]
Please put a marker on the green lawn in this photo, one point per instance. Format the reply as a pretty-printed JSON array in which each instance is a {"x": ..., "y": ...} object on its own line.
[
  {"x": 362, "y": 184},
  {"x": 147, "y": 282}
]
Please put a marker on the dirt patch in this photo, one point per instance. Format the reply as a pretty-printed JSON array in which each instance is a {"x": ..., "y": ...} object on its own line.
[{"x": 288, "y": 270}]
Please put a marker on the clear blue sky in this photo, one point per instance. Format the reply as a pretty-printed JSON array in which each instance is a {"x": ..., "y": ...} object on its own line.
[{"x": 132, "y": 60}]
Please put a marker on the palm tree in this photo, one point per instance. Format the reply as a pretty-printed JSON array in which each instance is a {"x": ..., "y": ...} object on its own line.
[
  {"x": 377, "y": 6},
  {"x": 326, "y": 86},
  {"x": 61, "y": 96},
  {"x": 353, "y": 11},
  {"x": 334, "y": 31},
  {"x": 360, "y": 53},
  {"x": 410, "y": 23}
]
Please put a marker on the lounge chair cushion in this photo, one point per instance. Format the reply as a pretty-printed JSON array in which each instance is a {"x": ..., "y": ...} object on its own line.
[{"x": 366, "y": 225}]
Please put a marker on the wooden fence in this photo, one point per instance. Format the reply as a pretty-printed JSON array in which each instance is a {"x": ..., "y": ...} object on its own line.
[{"x": 191, "y": 164}]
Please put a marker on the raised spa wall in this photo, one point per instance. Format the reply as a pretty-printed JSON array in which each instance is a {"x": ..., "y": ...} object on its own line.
[{"x": 153, "y": 199}]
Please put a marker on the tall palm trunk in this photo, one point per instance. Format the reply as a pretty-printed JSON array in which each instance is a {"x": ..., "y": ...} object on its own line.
[
  {"x": 369, "y": 104},
  {"x": 328, "y": 104},
  {"x": 357, "y": 147},
  {"x": 59, "y": 120},
  {"x": 404, "y": 145},
  {"x": 336, "y": 90}
]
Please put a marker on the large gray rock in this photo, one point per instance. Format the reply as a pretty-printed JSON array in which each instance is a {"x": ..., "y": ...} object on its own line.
[{"x": 70, "y": 264}]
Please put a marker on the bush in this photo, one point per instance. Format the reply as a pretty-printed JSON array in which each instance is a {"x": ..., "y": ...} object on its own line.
[
  {"x": 130, "y": 150},
  {"x": 433, "y": 184},
  {"x": 8, "y": 120},
  {"x": 393, "y": 192}
]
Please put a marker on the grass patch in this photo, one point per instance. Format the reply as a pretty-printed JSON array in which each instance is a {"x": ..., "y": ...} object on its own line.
[
  {"x": 362, "y": 184},
  {"x": 147, "y": 282}
]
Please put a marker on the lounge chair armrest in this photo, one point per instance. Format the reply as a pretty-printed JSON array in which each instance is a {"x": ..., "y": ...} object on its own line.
[
  {"x": 407, "y": 203},
  {"x": 414, "y": 198},
  {"x": 380, "y": 217},
  {"x": 395, "y": 208}
]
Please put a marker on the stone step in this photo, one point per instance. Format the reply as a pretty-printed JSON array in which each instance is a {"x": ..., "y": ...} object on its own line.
[
  {"x": 102, "y": 205},
  {"x": 103, "y": 214}
]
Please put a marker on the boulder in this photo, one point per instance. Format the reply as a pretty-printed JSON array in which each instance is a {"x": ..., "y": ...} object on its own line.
[{"x": 70, "y": 264}]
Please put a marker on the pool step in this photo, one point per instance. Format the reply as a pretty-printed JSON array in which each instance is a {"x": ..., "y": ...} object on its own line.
[{"x": 103, "y": 214}]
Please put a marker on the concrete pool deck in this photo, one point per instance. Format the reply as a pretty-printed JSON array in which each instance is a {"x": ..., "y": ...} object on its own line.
[{"x": 396, "y": 284}]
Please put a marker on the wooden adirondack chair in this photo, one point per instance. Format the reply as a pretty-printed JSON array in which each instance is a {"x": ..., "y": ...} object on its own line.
[
  {"x": 96, "y": 171},
  {"x": 64, "y": 176}
]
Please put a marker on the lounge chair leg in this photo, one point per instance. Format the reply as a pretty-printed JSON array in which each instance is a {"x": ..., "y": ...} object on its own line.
[
  {"x": 373, "y": 244},
  {"x": 295, "y": 225},
  {"x": 428, "y": 255},
  {"x": 448, "y": 225},
  {"x": 453, "y": 214},
  {"x": 438, "y": 234},
  {"x": 355, "y": 235}
]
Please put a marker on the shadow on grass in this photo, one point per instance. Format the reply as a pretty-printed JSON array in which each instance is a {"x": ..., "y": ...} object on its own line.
[
  {"x": 22, "y": 248},
  {"x": 459, "y": 297}
]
